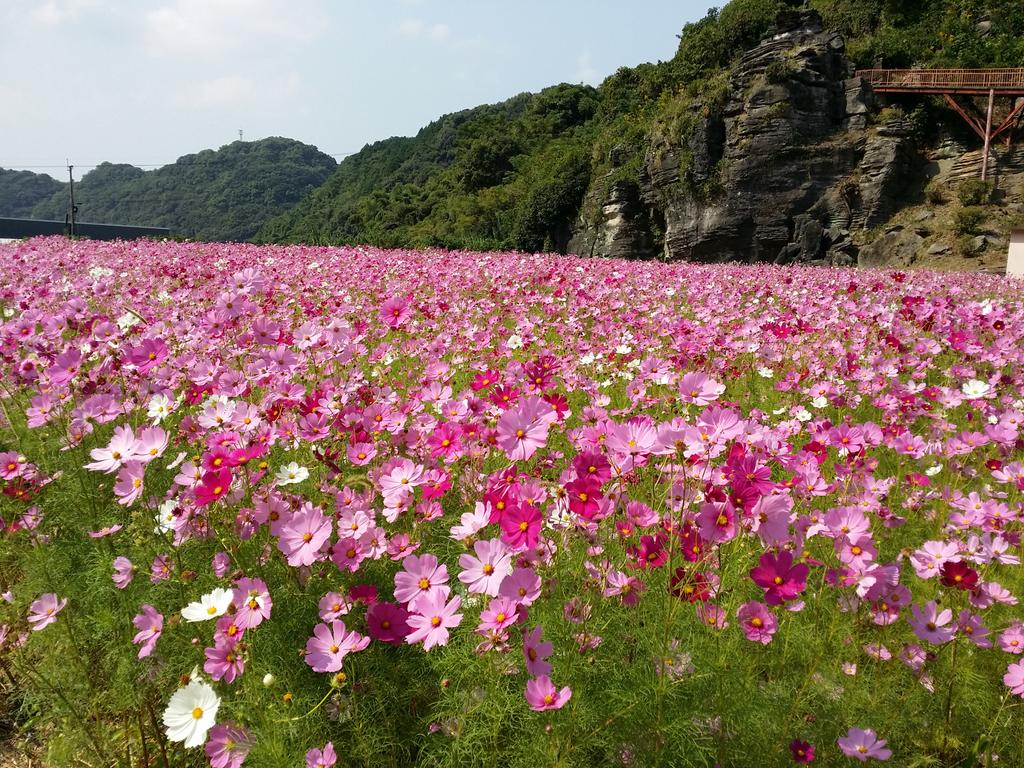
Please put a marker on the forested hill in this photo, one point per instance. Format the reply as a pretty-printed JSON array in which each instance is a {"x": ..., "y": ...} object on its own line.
[
  {"x": 225, "y": 194},
  {"x": 544, "y": 170}
]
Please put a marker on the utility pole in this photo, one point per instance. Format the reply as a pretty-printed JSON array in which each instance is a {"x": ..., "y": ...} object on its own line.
[{"x": 71, "y": 190}]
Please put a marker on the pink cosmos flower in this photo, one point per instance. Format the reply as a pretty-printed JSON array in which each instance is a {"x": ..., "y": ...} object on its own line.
[
  {"x": 220, "y": 563},
  {"x": 227, "y": 745},
  {"x": 781, "y": 580},
  {"x": 333, "y": 606},
  {"x": 150, "y": 624},
  {"x": 699, "y": 389},
  {"x": 1011, "y": 639},
  {"x": 160, "y": 569},
  {"x": 929, "y": 624},
  {"x": 151, "y": 444},
  {"x": 11, "y": 465},
  {"x": 863, "y": 745},
  {"x": 361, "y": 454},
  {"x": 44, "y": 610},
  {"x": 499, "y": 615},
  {"x": 432, "y": 620},
  {"x": 330, "y": 644},
  {"x": 522, "y": 585},
  {"x": 124, "y": 572},
  {"x": 303, "y": 536},
  {"x": 223, "y": 660},
  {"x": 484, "y": 573},
  {"x": 1014, "y": 678},
  {"x": 759, "y": 624},
  {"x": 128, "y": 487},
  {"x": 150, "y": 353},
  {"x": 523, "y": 429},
  {"x": 388, "y": 623},
  {"x": 396, "y": 311},
  {"x": 347, "y": 554},
  {"x": 321, "y": 758},
  {"x": 541, "y": 694},
  {"x": 535, "y": 653},
  {"x": 109, "y": 530},
  {"x": 214, "y": 485},
  {"x": 422, "y": 578},
  {"x": 252, "y": 601},
  {"x": 123, "y": 447}
]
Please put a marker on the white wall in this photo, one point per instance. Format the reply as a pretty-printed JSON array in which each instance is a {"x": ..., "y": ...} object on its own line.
[{"x": 1015, "y": 258}]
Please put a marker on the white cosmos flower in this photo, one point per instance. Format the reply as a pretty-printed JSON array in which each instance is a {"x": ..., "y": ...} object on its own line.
[
  {"x": 210, "y": 606},
  {"x": 820, "y": 401},
  {"x": 127, "y": 320},
  {"x": 803, "y": 415},
  {"x": 165, "y": 517},
  {"x": 515, "y": 341},
  {"x": 291, "y": 474},
  {"x": 191, "y": 713},
  {"x": 765, "y": 373},
  {"x": 933, "y": 471},
  {"x": 975, "y": 388},
  {"x": 160, "y": 408}
]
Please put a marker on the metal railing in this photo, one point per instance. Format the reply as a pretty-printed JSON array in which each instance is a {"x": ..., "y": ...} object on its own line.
[{"x": 945, "y": 79}]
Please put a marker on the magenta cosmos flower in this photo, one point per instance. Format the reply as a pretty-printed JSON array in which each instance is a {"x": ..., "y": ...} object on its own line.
[
  {"x": 227, "y": 745},
  {"x": 224, "y": 661},
  {"x": 759, "y": 624},
  {"x": 520, "y": 527},
  {"x": 150, "y": 624},
  {"x": 541, "y": 694},
  {"x": 303, "y": 536},
  {"x": 330, "y": 644},
  {"x": 388, "y": 623},
  {"x": 433, "y": 619},
  {"x": 802, "y": 751},
  {"x": 535, "y": 653},
  {"x": 43, "y": 611},
  {"x": 780, "y": 579},
  {"x": 863, "y": 744}
]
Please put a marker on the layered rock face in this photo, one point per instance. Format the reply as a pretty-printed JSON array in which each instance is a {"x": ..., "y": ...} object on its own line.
[{"x": 782, "y": 172}]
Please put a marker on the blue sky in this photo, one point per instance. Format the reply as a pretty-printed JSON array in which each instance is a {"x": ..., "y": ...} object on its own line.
[{"x": 146, "y": 81}]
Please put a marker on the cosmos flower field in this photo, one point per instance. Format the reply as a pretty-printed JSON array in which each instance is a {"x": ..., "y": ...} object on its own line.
[{"x": 293, "y": 506}]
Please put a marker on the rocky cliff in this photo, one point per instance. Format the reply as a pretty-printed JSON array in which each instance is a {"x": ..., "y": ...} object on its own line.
[{"x": 796, "y": 163}]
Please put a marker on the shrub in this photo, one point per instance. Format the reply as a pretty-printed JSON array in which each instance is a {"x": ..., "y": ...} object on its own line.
[
  {"x": 974, "y": 192},
  {"x": 935, "y": 193},
  {"x": 968, "y": 219}
]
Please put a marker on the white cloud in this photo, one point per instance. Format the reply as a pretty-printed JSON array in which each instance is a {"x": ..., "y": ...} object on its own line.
[
  {"x": 585, "y": 72},
  {"x": 237, "y": 91},
  {"x": 418, "y": 29},
  {"x": 211, "y": 27},
  {"x": 55, "y": 12}
]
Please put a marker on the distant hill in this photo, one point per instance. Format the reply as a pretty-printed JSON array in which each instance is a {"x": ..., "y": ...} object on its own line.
[
  {"x": 21, "y": 191},
  {"x": 754, "y": 142},
  {"x": 227, "y": 194}
]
